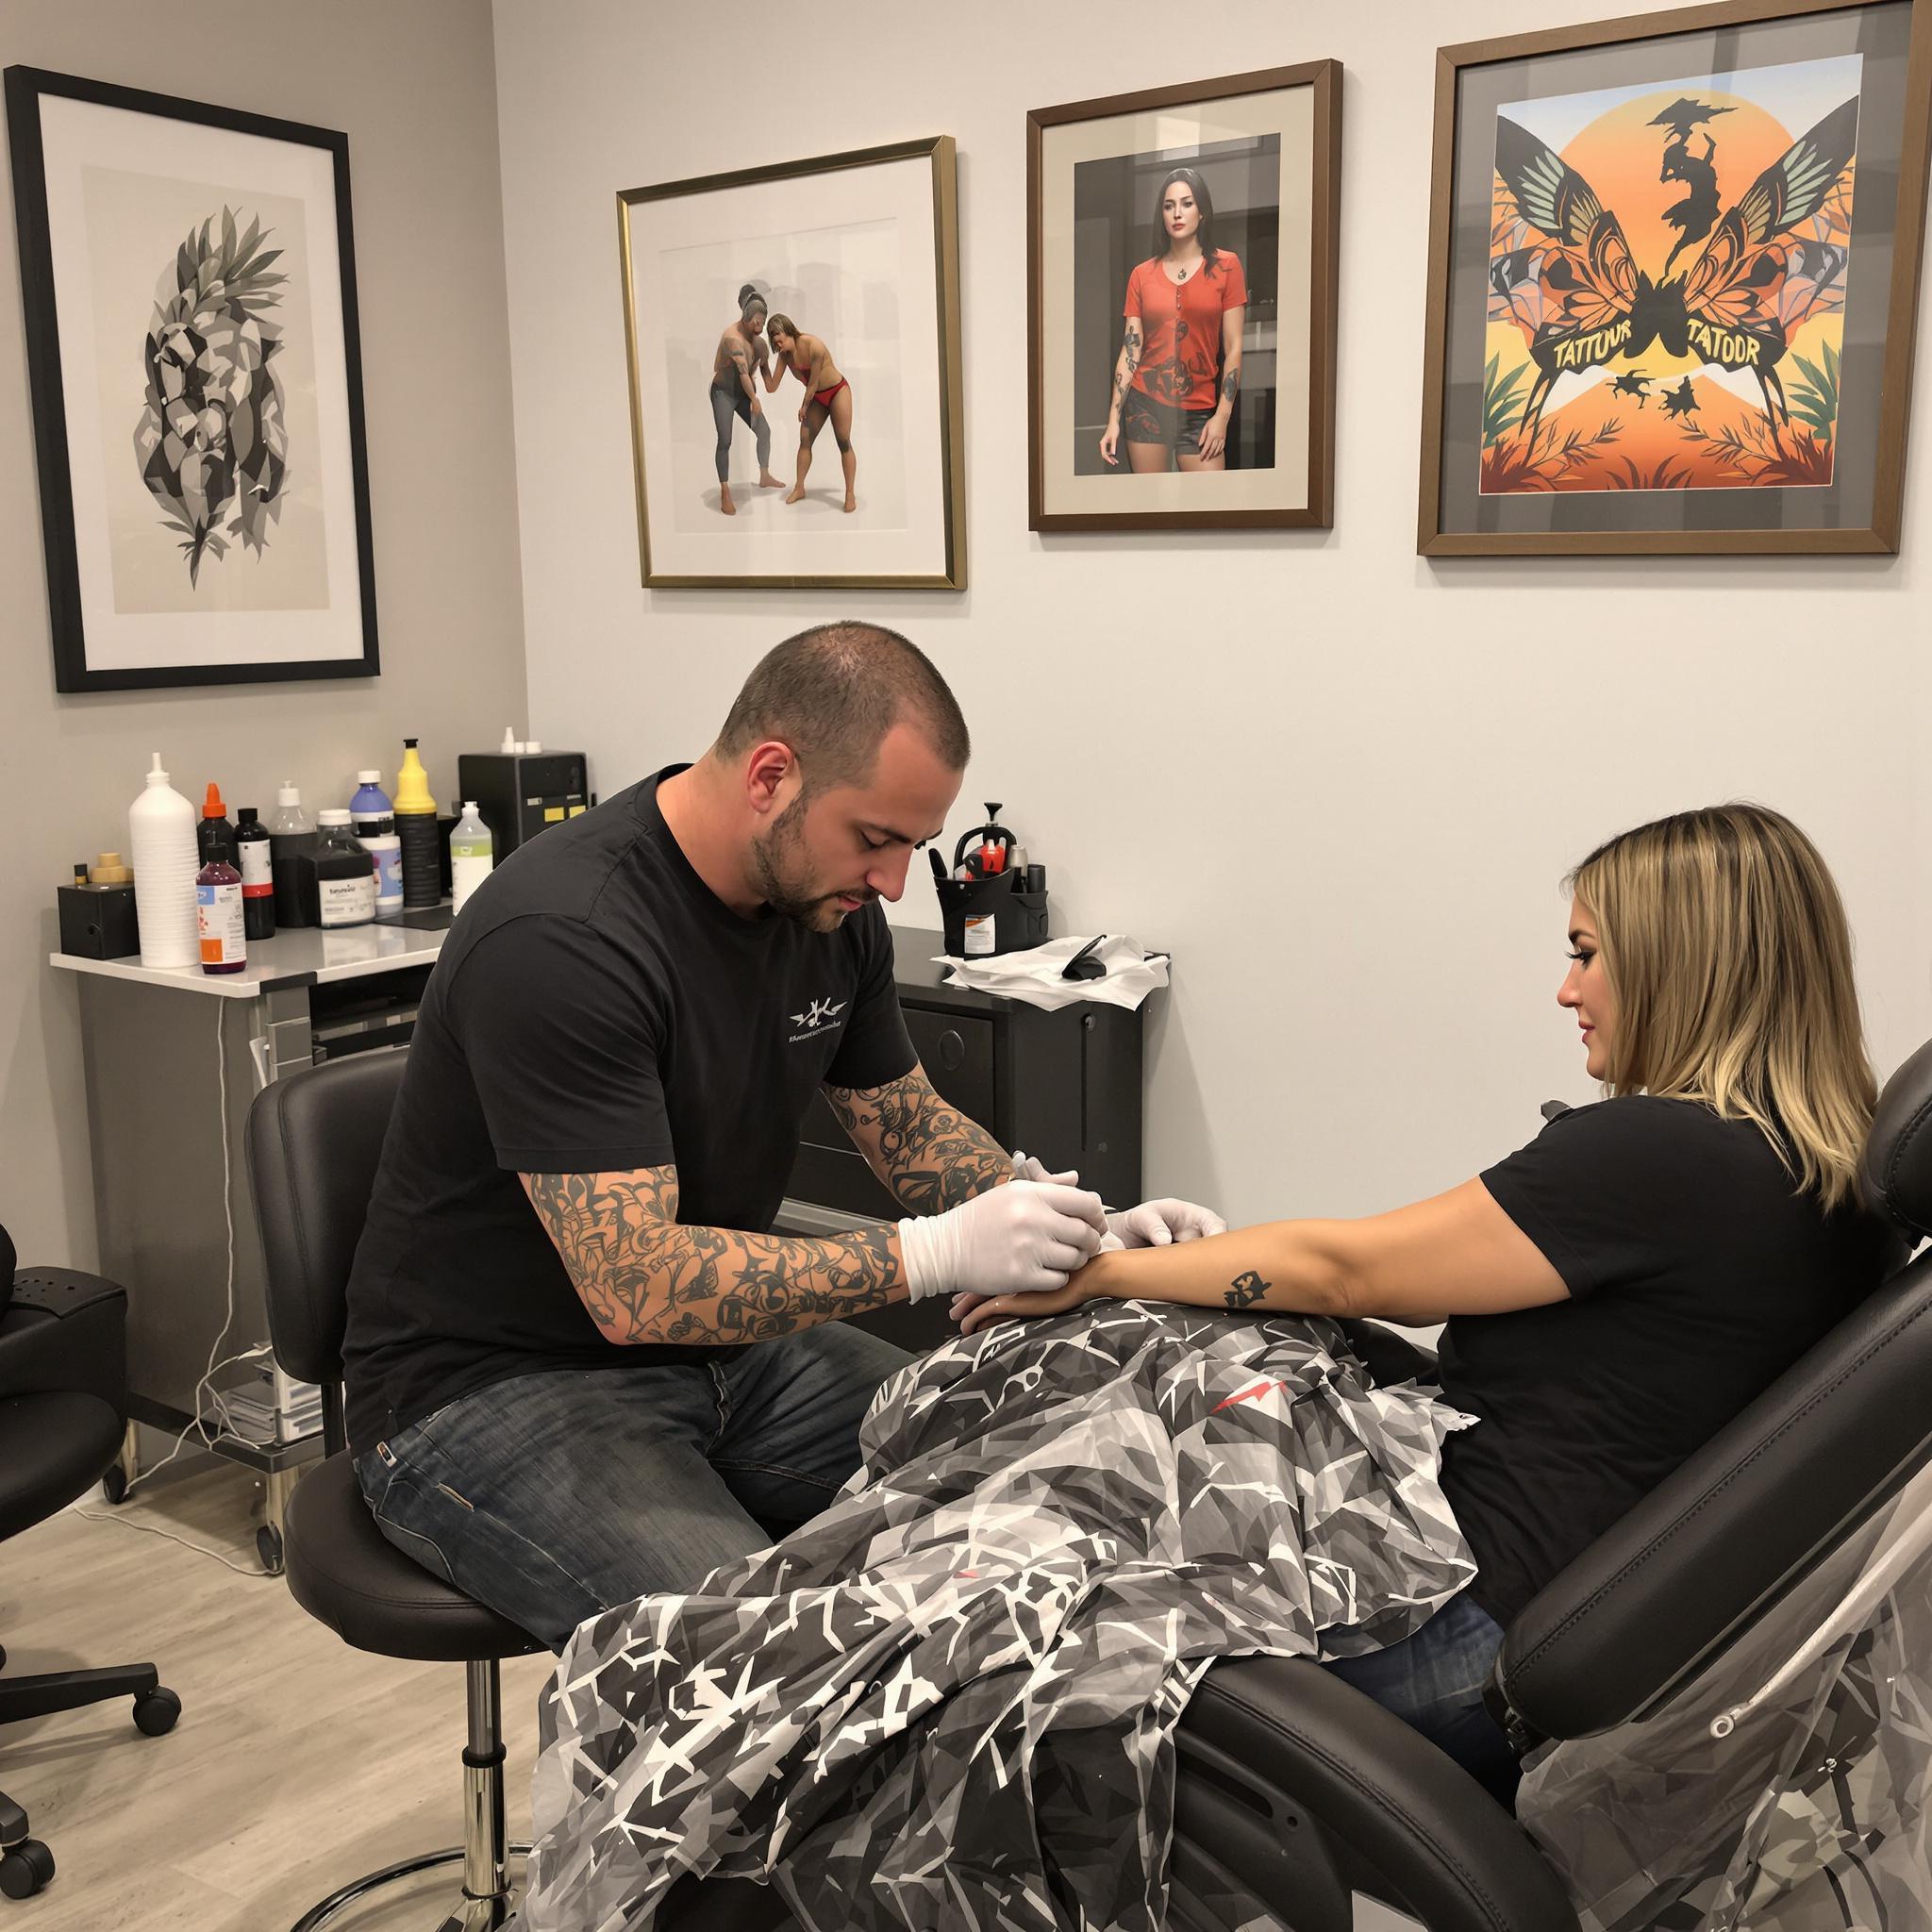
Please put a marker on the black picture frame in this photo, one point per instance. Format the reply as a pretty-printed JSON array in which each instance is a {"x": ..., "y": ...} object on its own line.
[{"x": 24, "y": 90}]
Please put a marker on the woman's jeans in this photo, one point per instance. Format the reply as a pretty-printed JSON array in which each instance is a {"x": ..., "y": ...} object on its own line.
[
  {"x": 1433, "y": 1681},
  {"x": 554, "y": 1496}
]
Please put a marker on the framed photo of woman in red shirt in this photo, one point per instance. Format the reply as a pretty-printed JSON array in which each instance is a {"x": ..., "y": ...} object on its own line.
[{"x": 1181, "y": 248}]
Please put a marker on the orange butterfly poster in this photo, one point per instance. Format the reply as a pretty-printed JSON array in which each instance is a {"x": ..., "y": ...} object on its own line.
[{"x": 1668, "y": 267}]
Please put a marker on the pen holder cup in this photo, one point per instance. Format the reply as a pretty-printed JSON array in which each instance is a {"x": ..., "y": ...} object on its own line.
[{"x": 983, "y": 917}]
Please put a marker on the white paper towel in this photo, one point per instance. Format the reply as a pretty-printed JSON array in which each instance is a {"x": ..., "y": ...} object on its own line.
[{"x": 1035, "y": 976}]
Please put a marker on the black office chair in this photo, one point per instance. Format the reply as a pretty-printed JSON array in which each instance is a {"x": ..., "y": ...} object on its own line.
[
  {"x": 63, "y": 1391},
  {"x": 313, "y": 1144}
]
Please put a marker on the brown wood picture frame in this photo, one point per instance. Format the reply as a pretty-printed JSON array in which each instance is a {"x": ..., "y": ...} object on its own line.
[
  {"x": 1874, "y": 530},
  {"x": 1314, "y": 488}
]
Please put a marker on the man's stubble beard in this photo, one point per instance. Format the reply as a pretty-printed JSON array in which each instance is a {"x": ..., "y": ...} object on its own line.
[{"x": 816, "y": 912}]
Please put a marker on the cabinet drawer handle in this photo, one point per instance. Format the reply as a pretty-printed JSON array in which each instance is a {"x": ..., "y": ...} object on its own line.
[{"x": 952, "y": 1051}]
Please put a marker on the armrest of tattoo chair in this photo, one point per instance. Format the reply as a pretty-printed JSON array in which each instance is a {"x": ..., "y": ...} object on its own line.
[{"x": 1294, "y": 1791}]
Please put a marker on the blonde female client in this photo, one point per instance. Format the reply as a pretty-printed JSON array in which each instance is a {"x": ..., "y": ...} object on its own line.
[{"x": 1618, "y": 1289}]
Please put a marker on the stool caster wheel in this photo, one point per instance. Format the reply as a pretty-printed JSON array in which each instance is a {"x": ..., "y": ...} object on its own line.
[
  {"x": 114, "y": 1484},
  {"x": 25, "y": 1868},
  {"x": 268, "y": 1546},
  {"x": 155, "y": 1714}
]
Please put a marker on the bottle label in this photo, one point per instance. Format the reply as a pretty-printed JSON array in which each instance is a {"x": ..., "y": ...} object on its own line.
[
  {"x": 466, "y": 872},
  {"x": 257, "y": 879},
  {"x": 218, "y": 915},
  {"x": 389, "y": 874},
  {"x": 980, "y": 932},
  {"x": 346, "y": 902}
]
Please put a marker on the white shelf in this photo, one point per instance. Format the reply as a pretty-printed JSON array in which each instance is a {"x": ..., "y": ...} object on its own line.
[{"x": 306, "y": 954}]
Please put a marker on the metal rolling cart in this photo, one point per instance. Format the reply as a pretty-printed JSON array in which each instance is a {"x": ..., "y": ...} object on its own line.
[{"x": 173, "y": 1058}]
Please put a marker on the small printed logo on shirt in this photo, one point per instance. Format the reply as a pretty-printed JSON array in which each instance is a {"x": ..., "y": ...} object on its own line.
[{"x": 816, "y": 1018}]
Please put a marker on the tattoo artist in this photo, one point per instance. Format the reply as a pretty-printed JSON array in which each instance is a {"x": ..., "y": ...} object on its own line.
[{"x": 578, "y": 1368}]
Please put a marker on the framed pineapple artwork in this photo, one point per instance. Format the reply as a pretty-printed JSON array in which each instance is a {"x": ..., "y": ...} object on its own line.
[{"x": 188, "y": 281}]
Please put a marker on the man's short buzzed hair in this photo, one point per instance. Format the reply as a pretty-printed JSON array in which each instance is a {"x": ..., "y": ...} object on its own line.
[{"x": 832, "y": 693}]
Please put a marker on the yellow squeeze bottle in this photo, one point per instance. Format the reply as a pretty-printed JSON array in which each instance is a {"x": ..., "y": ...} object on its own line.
[{"x": 415, "y": 814}]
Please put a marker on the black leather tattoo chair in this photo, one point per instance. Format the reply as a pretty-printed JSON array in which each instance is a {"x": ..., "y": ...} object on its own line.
[
  {"x": 1296, "y": 1791},
  {"x": 313, "y": 1144},
  {"x": 1299, "y": 1788},
  {"x": 63, "y": 1389}
]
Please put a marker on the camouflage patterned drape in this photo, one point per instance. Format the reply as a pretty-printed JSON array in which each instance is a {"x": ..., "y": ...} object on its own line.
[{"x": 949, "y": 1700}]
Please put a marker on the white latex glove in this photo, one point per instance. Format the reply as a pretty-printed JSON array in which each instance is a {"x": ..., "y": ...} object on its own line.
[
  {"x": 1020, "y": 1239},
  {"x": 963, "y": 1304},
  {"x": 1156, "y": 1224}
]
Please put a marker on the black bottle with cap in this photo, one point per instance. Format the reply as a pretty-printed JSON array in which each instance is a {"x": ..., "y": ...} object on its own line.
[{"x": 254, "y": 861}]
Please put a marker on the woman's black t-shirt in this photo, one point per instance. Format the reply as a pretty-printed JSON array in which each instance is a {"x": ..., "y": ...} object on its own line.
[{"x": 1697, "y": 1275}]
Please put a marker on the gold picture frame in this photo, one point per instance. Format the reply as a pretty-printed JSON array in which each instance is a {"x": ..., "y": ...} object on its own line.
[{"x": 877, "y": 271}]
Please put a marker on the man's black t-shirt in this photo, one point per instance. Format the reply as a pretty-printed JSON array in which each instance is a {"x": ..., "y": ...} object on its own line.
[
  {"x": 1697, "y": 1275},
  {"x": 596, "y": 1009}
]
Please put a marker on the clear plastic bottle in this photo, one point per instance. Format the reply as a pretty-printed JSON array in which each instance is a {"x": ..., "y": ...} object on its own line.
[
  {"x": 472, "y": 853},
  {"x": 291, "y": 834}
]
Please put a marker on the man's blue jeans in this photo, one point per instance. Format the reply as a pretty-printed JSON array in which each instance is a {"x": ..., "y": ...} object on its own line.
[
  {"x": 554, "y": 1496},
  {"x": 1433, "y": 1681}
]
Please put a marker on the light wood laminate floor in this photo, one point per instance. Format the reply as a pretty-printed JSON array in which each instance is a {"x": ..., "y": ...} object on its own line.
[{"x": 297, "y": 1765}]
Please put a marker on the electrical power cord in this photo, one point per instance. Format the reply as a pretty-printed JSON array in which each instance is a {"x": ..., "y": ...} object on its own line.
[
  {"x": 252, "y": 1570},
  {"x": 206, "y": 1395}
]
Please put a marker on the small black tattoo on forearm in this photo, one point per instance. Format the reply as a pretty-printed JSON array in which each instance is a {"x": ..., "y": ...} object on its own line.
[
  {"x": 1230, "y": 383},
  {"x": 1245, "y": 1290}
]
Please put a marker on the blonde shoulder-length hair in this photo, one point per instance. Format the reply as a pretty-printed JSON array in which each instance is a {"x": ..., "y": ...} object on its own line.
[{"x": 1731, "y": 961}]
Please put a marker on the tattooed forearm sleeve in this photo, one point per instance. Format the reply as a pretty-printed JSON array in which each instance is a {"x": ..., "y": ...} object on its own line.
[
  {"x": 646, "y": 1277},
  {"x": 1230, "y": 383},
  {"x": 929, "y": 1154},
  {"x": 1124, "y": 369}
]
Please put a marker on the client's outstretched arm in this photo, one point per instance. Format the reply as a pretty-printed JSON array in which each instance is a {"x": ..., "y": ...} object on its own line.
[{"x": 1457, "y": 1254}]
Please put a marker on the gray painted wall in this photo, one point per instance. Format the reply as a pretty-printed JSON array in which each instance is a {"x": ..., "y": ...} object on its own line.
[{"x": 1341, "y": 783}]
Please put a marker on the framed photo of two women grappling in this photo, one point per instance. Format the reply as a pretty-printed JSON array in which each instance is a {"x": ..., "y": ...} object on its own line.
[
  {"x": 1672, "y": 278},
  {"x": 794, "y": 342},
  {"x": 1181, "y": 279}
]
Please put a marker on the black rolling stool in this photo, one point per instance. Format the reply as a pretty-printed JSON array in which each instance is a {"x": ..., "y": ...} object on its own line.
[
  {"x": 314, "y": 1142},
  {"x": 64, "y": 1388}
]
